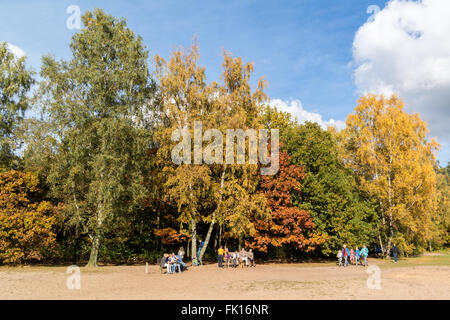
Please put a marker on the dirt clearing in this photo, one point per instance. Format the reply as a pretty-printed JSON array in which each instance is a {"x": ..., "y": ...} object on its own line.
[{"x": 406, "y": 280}]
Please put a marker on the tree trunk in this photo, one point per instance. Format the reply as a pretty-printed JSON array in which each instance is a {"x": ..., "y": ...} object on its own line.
[
  {"x": 381, "y": 243},
  {"x": 187, "y": 249},
  {"x": 194, "y": 239},
  {"x": 96, "y": 241},
  {"x": 391, "y": 235},
  {"x": 213, "y": 221},
  {"x": 94, "y": 251}
]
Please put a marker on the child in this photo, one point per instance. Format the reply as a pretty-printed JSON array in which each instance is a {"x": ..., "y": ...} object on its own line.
[
  {"x": 364, "y": 254},
  {"x": 339, "y": 256},
  {"x": 352, "y": 256},
  {"x": 357, "y": 255},
  {"x": 243, "y": 256}
]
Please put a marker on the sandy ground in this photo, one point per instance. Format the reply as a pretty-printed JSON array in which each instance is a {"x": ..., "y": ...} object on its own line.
[{"x": 269, "y": 281}]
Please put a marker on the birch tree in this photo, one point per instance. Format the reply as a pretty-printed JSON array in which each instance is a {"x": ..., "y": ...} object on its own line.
[
  {"x": 96, "y": 104},
  {"x": 389, "y": 150}
]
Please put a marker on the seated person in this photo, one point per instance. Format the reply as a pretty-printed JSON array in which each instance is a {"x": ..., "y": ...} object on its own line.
[
  {"x": 180, "y": 262},
  {"x": 164, "y": 262},
  {"x": 173, "y": 263}
]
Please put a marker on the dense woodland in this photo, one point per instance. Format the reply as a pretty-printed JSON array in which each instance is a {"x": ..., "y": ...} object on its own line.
[{"x": 89, "y": 178}]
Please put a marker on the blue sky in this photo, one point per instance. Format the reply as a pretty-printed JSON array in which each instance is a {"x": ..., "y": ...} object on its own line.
[{"x": 303, "y": 48}]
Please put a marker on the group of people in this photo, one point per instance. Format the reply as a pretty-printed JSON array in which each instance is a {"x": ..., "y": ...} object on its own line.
[
  {"x": 236, "y": 258},
  {"x": 354, "y": 256},
  {"x": 174, "y": 262}
]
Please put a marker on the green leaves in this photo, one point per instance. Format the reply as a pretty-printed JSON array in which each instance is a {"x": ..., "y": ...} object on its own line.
[
  {"x": 15, "y": 82},
  {"x": 97, "y": 103}
]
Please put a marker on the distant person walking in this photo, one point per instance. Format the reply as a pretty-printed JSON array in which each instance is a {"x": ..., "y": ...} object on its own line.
[
  {"x": 251, "y": 258},
  {"x": 395, "y": 253},
  {"x": 220, "y": 255},
  {"x": 345, "y": 254},
  {"x": 357, "y": 255},
  {"x": 227, "y": 257},
  {"x": 364, "y": 254},
  {"x": 243, "y": 256},
  {"x": 339, "y": 256},
  {"x": 200, "y": 247}
]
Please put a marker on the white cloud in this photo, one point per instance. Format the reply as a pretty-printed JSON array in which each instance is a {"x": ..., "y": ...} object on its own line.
[
  {"x": 19, "y": 53},
  {"x": 295, "y": 108},
  {"x": 406, "y": 50}
]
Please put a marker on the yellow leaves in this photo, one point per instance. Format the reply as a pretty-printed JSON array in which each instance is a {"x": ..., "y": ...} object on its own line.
[
  {"x": 25, "y": 227},
  {"x": 388, "y": 149}
]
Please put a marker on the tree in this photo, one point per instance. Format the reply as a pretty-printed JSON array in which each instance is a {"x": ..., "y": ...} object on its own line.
[
  {"x": 340, "y": 211},
  {"x": 205, "y": 191},
  {"x": 394, "y": 161},
  {"x": 441, "y": 218},
  {"x": 97, "y": 105},
  {"x": 26, "y": 224},
  {"x": 239, "y": 202},
  {"x": 184, "y": 97},
  {"x": 15, "y": 82},
  {"x": 288, "y": 225}
]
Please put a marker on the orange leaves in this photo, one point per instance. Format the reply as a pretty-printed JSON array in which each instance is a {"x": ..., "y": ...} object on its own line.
[
  {"x": 170, "y": 236},
  {"x": 289, "y": 224},
  {"x": 26, "y": 227}
]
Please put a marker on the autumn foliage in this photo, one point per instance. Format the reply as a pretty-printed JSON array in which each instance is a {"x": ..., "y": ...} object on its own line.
[
  {"x": 170, "y": 236},
  {"x": 288, "y": 224},
  {"x": 25, "y": 225}
]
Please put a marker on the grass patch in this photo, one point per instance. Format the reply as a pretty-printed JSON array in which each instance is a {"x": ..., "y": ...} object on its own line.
[{"x": 443, "y": 259}]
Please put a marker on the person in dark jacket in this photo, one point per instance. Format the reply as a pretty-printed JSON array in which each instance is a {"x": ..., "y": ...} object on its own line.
[{"x": 395, "y": 252}]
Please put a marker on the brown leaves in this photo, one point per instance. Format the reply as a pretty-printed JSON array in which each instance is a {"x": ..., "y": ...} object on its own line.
[{"x": 289, "y": 224}]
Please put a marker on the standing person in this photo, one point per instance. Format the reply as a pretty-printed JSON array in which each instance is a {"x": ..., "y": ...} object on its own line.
[
  {"x": 345, "y": 254},
  {"x": 200, "y": 246},
  {"x": 220, "y": 255},
  {"x": 181, "y": 252},
  {"x": 235, "y": 259},
  {"x": 339, "y": 256},
  {"x": 251, "y": 258},
  {"x": 364, "y": 254},
  {"x": 357, "y": 255},
  {"x": 352, "y": 256},
  {"x": 395, "y": 253},
  {"x": 227, "y": 257},
  {"x": 243, "y": 256}
]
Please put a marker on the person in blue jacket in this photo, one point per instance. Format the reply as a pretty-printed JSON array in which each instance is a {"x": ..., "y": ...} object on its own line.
[
  {"x": 357, "y": 255},
  {"x": 364, "y": 254}
]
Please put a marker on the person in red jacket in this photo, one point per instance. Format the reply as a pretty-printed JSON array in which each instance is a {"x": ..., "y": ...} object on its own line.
[{"x": 345, "y": 254}]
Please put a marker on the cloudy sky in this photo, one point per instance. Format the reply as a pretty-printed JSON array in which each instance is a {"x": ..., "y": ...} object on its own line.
[{"x": 318, "y": 56}]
